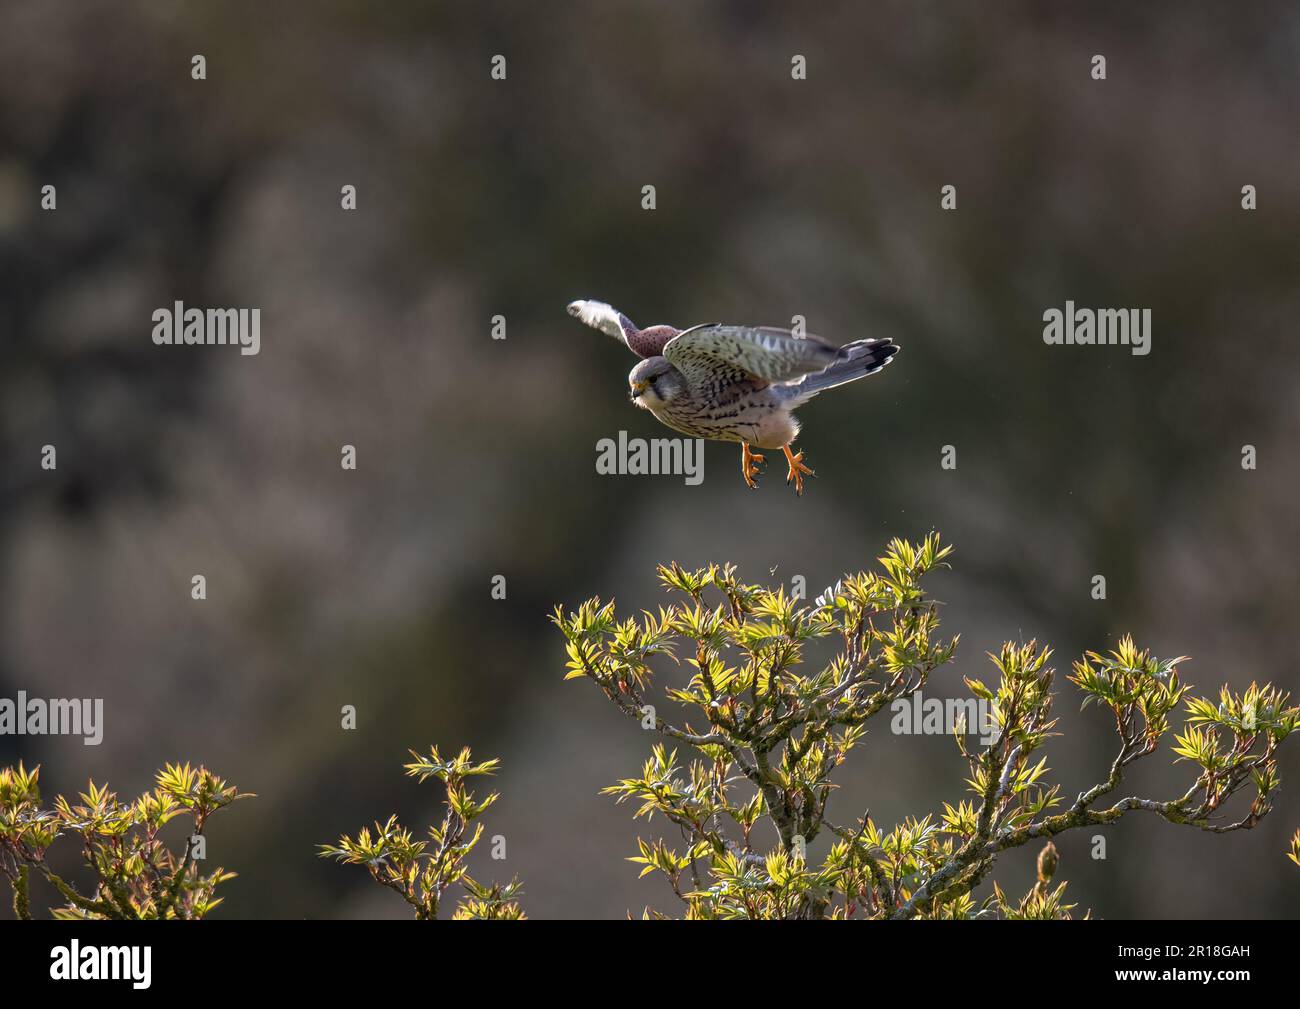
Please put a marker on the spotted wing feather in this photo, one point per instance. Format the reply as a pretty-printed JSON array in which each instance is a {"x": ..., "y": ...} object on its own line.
[{"x": 708, "y": 355}]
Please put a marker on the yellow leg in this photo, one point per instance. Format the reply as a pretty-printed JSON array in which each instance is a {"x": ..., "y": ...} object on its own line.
[
  {"x": 749, "y": 460},
  {"x": 797, "y": 469}
]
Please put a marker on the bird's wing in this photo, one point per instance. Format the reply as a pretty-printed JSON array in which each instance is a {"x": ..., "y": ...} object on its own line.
[
  {"x": 648, "y": 342},
  {"x": 712, "y": 353},
  {"x": 603, "y": 317}
]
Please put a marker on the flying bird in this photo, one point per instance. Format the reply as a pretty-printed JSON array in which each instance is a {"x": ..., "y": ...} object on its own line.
[{"x": 735, "y": 383}]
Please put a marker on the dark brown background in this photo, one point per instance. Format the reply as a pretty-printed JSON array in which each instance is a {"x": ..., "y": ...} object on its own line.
[{"x": 476, "y": 457}]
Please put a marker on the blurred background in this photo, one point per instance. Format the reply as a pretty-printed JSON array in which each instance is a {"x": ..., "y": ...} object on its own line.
[{"x": 476, "y": 457}]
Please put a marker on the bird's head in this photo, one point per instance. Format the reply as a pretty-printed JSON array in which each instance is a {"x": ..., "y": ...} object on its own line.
[{"x": 654, "y": 382}]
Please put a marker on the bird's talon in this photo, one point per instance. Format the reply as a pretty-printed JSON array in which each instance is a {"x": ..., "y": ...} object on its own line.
[
  {"x": 797, "y": 470},
  {"x": 749, "y": 465}
]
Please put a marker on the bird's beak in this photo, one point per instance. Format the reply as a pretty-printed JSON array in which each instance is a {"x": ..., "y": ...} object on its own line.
[{"x": 636, "y": 390}]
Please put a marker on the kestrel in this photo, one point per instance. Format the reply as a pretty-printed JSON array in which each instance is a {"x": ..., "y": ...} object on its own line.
[{"x": 735, "y": 383}]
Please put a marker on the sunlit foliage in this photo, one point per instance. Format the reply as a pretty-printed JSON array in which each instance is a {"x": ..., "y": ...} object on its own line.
[{"x": 766, "y": 736}]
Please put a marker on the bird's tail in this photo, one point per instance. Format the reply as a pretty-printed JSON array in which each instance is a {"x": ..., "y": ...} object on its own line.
[{"x": 856, "y": 360}]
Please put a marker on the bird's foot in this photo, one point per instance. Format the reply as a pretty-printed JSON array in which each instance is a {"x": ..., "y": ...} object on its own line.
[
  {"x": 797, "y": 469},
  {"x": 749, "y": 460}
]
